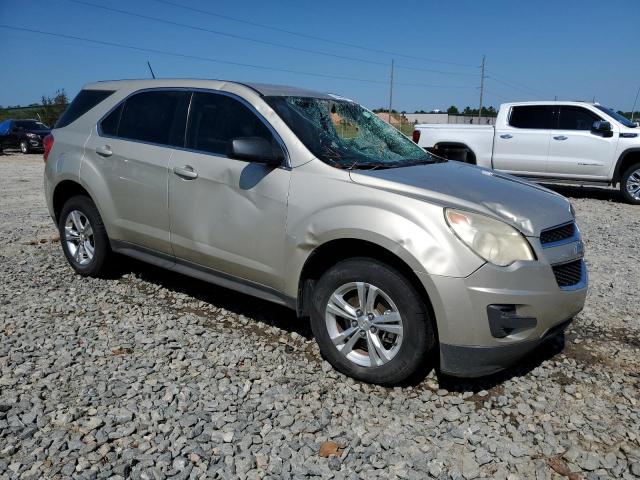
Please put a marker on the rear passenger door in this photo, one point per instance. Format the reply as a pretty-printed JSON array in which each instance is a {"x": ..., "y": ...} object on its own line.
[
  {"x": 522, "y": 145},
  {"x": 131, "y": 151},
  {"x": 576, "y": 151},
  {"x": 227, "y": 214}
]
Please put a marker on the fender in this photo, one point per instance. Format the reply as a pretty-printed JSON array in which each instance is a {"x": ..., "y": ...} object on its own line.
[
  {"x": 421, "y": 248},
  {"x": 618, "y": 171}
]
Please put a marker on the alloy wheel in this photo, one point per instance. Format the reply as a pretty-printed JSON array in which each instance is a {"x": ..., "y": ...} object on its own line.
[
  {"x": 364, "y": 324},
  {"x": 79, "y": 237},
  {"x": 633, "y": 184}
]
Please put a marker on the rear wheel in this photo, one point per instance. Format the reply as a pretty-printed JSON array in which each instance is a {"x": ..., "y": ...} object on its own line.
[
  {"x": 370, "y": 322},
  {"x": 24, "y": 146},
  {"x": 83, "y": 237},
  {"x": 630, "y": 184}
]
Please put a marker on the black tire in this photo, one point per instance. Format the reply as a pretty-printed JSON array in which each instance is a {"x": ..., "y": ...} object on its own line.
[
  {"x": 418, "y": 340},
  {"x": 633, "y": 169},
  {"x": 24, "y": 147},
  {"x": 98, "y": 266}
]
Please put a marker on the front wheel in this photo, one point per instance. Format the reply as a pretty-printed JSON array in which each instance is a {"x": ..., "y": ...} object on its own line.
[
  {"x": 24, "y": 146},
  {"x": 371, "y": 323},
  {"x": 630, "y": 184}
]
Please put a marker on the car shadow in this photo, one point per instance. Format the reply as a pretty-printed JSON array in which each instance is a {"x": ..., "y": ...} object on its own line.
[
  {"x": 596, "y": 193},
  {"x": 235, "y": 302}
]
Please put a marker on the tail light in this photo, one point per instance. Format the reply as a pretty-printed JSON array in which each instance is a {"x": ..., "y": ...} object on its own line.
[
  {"x": 416, "y": 136},
  {"x": 47, "y": 143}
]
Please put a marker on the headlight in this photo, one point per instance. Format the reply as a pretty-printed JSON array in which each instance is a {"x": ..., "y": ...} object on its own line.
[
  {"x": 493, "y": 240},
  {"x": 31, "y": 135}
]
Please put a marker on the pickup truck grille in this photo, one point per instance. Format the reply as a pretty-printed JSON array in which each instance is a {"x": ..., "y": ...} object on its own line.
[
  {"x": 568, "y": 274},
  {"x": 557, "y": 234}
]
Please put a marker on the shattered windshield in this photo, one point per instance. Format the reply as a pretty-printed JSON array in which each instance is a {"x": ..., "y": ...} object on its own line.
[{"x": 346, "y": 135}]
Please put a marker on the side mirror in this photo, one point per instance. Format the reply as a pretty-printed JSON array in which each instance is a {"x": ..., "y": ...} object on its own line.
[
  {"x": 255, "y": 149},
  {"x": 602, "y": 127}
]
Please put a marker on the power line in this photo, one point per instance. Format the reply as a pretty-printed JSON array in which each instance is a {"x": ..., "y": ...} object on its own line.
[
  {"x": 520, "y": 87},
  {"x": 216, "y": 60},
  {"x": 256, "y": 40},
  {"x": 313, "y": 37}
]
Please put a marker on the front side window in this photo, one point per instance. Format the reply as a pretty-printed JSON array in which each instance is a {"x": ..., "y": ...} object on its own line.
[
  {"x": 346, "y": 135},
  {"x": 615, "y": 115},
  {"x": 153, "y": 116},
  {"x": 576, "y": 118},
  {"x": 215, "y": 120},
  {"x": 530, "y": 116}
]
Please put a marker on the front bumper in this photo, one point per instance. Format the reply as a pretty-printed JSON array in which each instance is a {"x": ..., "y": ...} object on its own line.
[
  {"x": 470, "y": 345},
  {"x": 35, "y": 143}
]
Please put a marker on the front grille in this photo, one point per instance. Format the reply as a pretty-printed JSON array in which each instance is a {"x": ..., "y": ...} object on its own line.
[
  {"x": 557, "y": 234},
  {"x": 568, "y": 274}
]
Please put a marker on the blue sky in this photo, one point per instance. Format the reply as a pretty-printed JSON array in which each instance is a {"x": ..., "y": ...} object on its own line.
[{"x": 535, "y": 50}]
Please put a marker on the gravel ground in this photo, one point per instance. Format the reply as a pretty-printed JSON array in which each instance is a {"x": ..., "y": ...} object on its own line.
[{"x": 153, "y": 375}]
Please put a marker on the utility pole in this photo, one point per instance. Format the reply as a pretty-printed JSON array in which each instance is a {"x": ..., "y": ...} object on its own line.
[
  {"x": 481, "y": 89},
  {"x": 391, "y": 92},
  {"x": 634, "y": 104}
]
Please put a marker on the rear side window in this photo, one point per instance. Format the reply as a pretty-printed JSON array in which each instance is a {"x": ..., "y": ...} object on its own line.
[
  {"x": 530, "y": 116},
  {"x": 154, "y": 117},
  {"x": 84, "y": 101},
  {"x": 576, "y": 118},
  {"x": 217, "y": 119}
]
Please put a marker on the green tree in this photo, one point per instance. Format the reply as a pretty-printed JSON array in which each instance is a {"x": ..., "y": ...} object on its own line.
[
  {"x": 52, "y": 108},
  {"x": 453, "y": 110}
]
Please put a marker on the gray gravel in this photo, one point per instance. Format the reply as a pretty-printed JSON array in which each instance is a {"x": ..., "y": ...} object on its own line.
[{"x": 152, "y": 375}]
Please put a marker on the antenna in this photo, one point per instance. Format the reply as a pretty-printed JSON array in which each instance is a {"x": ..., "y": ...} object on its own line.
[{"x": 151, "y": 70}]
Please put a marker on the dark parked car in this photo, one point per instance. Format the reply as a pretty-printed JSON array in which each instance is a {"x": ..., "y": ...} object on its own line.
[{"x": 24, "y": 134}]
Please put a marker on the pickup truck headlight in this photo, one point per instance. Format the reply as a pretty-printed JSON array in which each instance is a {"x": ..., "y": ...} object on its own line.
[{"x": 491, "y": 239}]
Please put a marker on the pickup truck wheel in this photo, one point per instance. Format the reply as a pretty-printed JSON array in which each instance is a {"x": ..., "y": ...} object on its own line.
[
  {"x": 630, "y": 184},
  {"x": 83, "y": 237},
  {"x": 24, "y": 146},
  {"x": 370, "y": 322}
]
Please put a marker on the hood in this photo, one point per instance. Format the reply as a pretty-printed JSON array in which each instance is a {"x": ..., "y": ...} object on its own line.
[
  {"x": 42, "y": 133},
  {"x": 528, "y": 207}
]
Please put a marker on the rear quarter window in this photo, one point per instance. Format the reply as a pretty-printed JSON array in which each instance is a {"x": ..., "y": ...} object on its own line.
[{"x": 84, "y": 101}]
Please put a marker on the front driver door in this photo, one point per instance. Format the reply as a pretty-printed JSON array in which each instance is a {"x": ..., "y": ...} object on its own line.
[
  {"x": 575, "y": 150},
  {"x": 227, "y": 214}
]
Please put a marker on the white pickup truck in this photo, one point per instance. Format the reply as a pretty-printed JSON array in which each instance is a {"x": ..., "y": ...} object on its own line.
[{"x": 555, "y": 142}]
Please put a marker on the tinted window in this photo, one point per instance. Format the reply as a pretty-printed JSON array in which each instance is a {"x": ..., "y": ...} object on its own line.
[
  {"x": 216, "y": 119},
  {"x": 84, "y": 101},
  {"x": 576, "y": 118},
  {"x": 530, "y": 116},
  {"x": 155, "y": 117},
  {"x": 621, "y": 118},
  {"x": 109, "y": 125}
]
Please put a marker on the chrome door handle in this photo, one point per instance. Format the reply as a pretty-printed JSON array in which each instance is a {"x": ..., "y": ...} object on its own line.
[
  {"x": 104, "y": 151},
  {"x": 506, "y": 135},
  {"x": 187, "y": 172},
  {"x": 560, "y": 137}
]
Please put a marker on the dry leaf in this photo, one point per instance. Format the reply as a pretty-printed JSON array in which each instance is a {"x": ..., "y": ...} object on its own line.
[
  {"x": 558, "y": 466},
  {"x": 329, "y": 448},
  {"x": 121, "y": 351}
]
